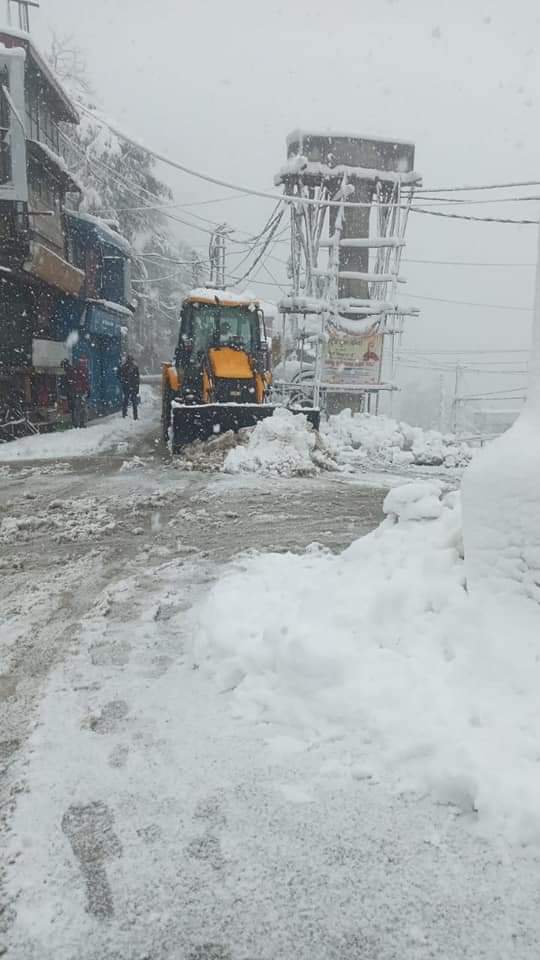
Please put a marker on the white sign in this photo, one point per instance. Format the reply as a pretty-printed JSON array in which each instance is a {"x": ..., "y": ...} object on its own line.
[{"x": 49, "y": 354}]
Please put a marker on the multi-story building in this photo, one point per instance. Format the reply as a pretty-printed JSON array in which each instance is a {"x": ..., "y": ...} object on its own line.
[{"x": 61, "y": 272}]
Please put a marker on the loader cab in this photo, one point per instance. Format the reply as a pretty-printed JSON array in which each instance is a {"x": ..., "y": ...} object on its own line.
[{"x": 207, "y": 325}]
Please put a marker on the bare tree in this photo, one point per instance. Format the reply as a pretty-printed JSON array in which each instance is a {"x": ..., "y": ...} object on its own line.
[{"x": 69, "y": 64}]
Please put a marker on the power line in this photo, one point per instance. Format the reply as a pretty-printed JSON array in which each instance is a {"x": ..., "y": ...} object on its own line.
[
  {"x": 482, "y": 186},
  {"x": 286, "y": 198},
  {"x": 464, "y": 216},
  {"x": 483, "y": 350},
  {"x": 136, "y": 192},
  {"x": 263, "y": 251},
  {"x": 272, "y": 277},
  {"x": 158, "y": 256},
  {"x": 496, "y": 395},
  {"x": 465, "y": 263},
  {"x": 467, "y": 303},
  {"x": 450, "y": 368},
  {"x": 257, "y": 282},
  {"x": 169, "y": 276},
  {"x": 176, "y": 165},
  {"x": 441, "y": 202}
]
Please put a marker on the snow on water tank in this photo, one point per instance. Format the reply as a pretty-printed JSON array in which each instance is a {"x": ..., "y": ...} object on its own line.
[{"x": 378, "y": 154}]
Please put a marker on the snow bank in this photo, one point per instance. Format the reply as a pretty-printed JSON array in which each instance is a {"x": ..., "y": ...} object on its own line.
[
  {"x": 501, "y": 501},
  {"x": 381, "y": 440},
  {"x": 284, "y": 444},
  {"x": 382, "y": 651},
  {"x": 501, "y": 497},
  {"x": 101, "y": 435}
]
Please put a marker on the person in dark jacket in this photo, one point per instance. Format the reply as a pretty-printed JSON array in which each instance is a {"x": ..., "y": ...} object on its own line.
[
  {"x": 128, "y": 374},
  {"x": 77, "y": 390}
]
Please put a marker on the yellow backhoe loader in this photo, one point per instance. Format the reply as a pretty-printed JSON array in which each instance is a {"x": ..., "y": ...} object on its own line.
[{"x": 221, "y": 375}]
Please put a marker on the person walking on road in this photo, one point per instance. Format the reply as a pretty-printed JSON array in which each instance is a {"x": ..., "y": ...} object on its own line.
[
  {"x": 128, "y": 374},
  {"x": 77, "y": 390}
]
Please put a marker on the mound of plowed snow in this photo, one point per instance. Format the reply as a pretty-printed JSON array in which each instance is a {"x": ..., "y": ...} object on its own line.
[
  {"x": 285, "y": 445},
  {"x": 363, "y": 437},
  {"x": 381, "y": 651}
]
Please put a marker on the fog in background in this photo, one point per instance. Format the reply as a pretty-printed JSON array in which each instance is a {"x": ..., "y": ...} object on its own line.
[{"x": 219, "y": 85}]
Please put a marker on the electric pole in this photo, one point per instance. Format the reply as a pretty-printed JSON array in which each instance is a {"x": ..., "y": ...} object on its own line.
[
  {"x": 217, "y": 255},
  {"x": 457, "y": 398}
]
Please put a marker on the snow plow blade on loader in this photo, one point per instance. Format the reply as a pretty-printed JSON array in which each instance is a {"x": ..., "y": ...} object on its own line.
[{"x": 202, "y": 421}]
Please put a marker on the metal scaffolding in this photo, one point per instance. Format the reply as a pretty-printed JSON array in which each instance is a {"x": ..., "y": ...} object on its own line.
[{"x": 346, "y": 246}]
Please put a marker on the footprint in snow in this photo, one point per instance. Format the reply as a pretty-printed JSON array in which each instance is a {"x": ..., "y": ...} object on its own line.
[{"x": 90, "y": 831}]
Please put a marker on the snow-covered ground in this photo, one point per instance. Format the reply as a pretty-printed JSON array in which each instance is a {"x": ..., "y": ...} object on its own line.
[
  {"x": 101, "y": 435},
  {"x": 166, "y": 806},
  {"x": 237, "y": 724}
]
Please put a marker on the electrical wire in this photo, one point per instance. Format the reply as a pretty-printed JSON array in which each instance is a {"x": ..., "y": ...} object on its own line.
[
  {"x": 494, "y": 394},
  {"x": 272, "y": 277},
  {"x": 482, "y": 186},
  {"x": 250, "y": 191},
  {"x": 482, "y": 350},
  {"x": 259, "y": 283},
  {"x": 94, "y": 162},
  {"x": 169, "y": 276},
  {"x": 158, "y": 256},
  {"x": 441, "y": 202},
  {"x": 467, "y": 303},
  {"x": 182, "y": 206},
  {"x": 262, "y": 252},
  {"x": 464, "y": 216},
  {"x": 464, "y": 263}
]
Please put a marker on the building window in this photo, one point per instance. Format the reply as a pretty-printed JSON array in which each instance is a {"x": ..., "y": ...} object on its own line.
[{"x": 5, "y": 124}]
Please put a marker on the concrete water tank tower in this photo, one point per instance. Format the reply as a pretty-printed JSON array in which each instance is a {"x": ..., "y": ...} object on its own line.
[{"x": 349, "y": 198}]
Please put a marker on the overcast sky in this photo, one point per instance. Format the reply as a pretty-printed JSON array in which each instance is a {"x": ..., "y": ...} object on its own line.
[{"x": 218, "y": 84}]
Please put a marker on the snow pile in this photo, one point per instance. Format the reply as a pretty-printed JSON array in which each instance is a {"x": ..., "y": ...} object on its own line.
[
  {"x": 210, "y": 454},
  {"x": 66, "y": 521},
  {"x": 414, "y": 501},
  {"x": 501, "y": 503},
  {"x": 285, "y": 445},
  {"x": 379, "y": 439},
  {"x": 382, "y": 651}
]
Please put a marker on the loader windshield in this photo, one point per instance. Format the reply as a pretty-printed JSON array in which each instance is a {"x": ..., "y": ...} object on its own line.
[{"x": 214, "y": 326}]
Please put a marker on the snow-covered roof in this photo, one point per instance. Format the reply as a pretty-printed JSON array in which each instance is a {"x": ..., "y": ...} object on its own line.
[
  {"x": 55, "y": 160},
  {"x": 11, "y": 51},
  {"x": 229, "y": 298},
  {"x": 9, "y": 34},
  {"x": 104, "y": 230},
  {"x": 112, "y": 307},
  {"x": 299, "y": 134}
]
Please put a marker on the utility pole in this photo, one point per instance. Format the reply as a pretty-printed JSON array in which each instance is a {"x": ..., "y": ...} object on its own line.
[
  {"x": 196, "y": 272},
  {"x": 457, "y": 398},
  {"x": 217, "y": 254},
  {"x": 441, "y": 404}
]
